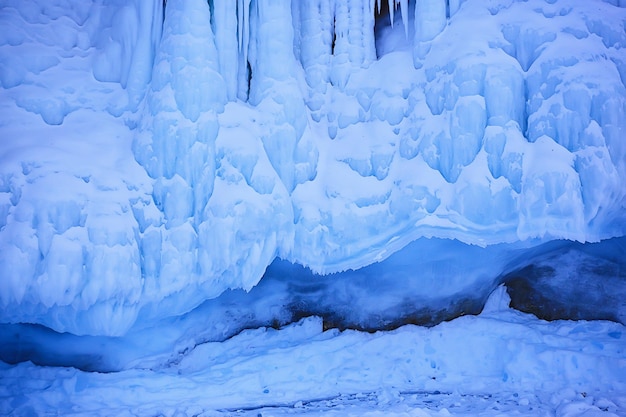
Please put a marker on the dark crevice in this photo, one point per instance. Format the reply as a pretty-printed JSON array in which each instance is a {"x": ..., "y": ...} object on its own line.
[
  {"x": 249, "y": 73},
  {"x": 45, "y": 347},
  {"x": 334, "y": 35},
  {"x": 212, "y": 12}
]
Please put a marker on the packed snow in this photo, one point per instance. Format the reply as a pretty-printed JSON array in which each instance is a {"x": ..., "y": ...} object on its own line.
[
  {"x": 247, "y": 207},
  {"x": 501, "y": 362}
]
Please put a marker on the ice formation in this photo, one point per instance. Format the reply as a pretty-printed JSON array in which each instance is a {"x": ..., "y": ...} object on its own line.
[{"x": 218, "y": 136}]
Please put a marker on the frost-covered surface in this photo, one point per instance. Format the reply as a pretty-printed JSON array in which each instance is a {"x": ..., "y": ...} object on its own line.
[
  {"x": 499, "y": 363},
  {"x": 154, "y": 162},
  {"x": 153, "y": 158}
]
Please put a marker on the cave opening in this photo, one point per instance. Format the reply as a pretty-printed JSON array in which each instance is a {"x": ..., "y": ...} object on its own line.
[{"x": 390, "y": 33}]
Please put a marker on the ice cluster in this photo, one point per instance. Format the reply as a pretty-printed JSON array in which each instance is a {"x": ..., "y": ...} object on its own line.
[{"x": 155, "y": 154}]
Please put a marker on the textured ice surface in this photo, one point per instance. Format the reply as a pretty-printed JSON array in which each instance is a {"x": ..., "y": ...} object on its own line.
[
  {"x": 154, "y": 163},
  {"x": 427, "y": 282},
  {"x": 580, "y": 282},
  {"x": 151, "y": 159}
]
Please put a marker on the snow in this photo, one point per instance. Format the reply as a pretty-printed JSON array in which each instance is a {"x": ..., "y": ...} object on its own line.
[
  {"x": 195, "y": 199},
  {"x": 508, "y": 363}
]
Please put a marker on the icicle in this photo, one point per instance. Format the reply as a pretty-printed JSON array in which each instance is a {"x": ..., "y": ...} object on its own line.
[
  {"x": 378, "y": 5},
  {"x": 243, "y": 24},
  {"x": 369, "y": 39},
  {"x": 246, "y": 29},
  {"x": 226, "y": 40},
  {"x": 240, "y": 23},
  {"x": 392, "y": 7},
  {"x": 404, "y": 11}
]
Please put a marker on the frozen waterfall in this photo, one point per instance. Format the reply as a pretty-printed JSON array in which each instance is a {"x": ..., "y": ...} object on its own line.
[
  {"x": 326, "y": 133},
  {"x": 307, "y": 207}
]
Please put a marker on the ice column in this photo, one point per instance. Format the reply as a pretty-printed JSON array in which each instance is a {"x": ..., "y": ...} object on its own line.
[
  {"x": 315, "y": 40},
  {"x": 175, "y": 140},
  {"x": 354, "y": 44},
  {"x": 150, "y": 25},
  {"x": 273, "y": 47},
  {"x": 430, "y": 19},
  {"x": 243, "y": 40},
  {"x": 127, "y": 48},
  {"x": 175, "y": 143},
  {"x": 273, "y": 84},
  {"x": 225, "y": 27}
]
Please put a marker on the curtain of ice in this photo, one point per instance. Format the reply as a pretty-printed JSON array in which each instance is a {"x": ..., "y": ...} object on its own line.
[
  {"x": 314, "y": 19},
  {"x": 127, "y": 44},
  {"x": 273, "y": 83},
  {"x": 333, "y": 38},
  {"x": 354, "y": 45},
  {"x": 226, "y": 26},
  {"x": 175, "y": 143}
]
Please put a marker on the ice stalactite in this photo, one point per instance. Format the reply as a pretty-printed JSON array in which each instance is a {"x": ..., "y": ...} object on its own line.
[
  {"x": 226, "y": 28},
  {"x": 354, "y": 45},
  {"x": 243, "y": 39},
  {"x": 403, "y": 5},
  {"x": 341, "y": 67},
  {"x": 332, "y": 38},
  {"x": 404, "y": 9},
  {"x": 150, "y": 24},
  {"x": 127, "y": 55},
  {"x": 175, "y": 143},
  {"x": 200, "y": 225},
  {"x": 186, "y": 89},
  {"x": 314, "y": 40},
  {"x": 243, "y": 19},
  {"x": 430, "y": 19},
  {"x": 273, "y": 45},
  {"x": 273, "y": 84}
]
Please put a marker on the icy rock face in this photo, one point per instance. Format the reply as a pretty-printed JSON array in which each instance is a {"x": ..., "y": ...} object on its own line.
[
  {"x": 328, "y": 133},
  {"x": 579, "y": 283}
]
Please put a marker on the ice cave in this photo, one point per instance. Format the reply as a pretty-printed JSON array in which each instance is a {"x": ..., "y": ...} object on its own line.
[{"x": 313, "y": 207}]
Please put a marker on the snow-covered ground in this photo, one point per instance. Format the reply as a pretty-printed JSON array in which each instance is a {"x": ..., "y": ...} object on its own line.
[
  {"x": 500, "y": 363},
  {"x": 136, "y": 208}
]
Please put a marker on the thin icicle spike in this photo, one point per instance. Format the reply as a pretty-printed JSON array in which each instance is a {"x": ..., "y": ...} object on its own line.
[
  {"x": 239, "y": 18},
  {"x": 404, "y": 11},
  {"x": 378, "y": 5},
  {"x": 392, "y": 7},
  {"x": 246, "y": 29}
]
